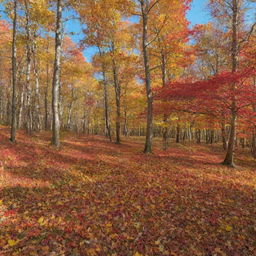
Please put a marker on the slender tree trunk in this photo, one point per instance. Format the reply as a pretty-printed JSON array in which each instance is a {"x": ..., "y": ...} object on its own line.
[
  {"x": 178, "y": 134},
  {"x": 46, "y": 99},
  {"x": 22, "y": 103},
  {"x": 125, "y": 130},
  {"x": 149, "y": 131},
  {"x": 211, "y": 136},
  {"x": 84, "y": 120},
  {"x": 71, "y": 109},
  {"x": 106, "y": 106},
  {"x": 21, "y": 97},
  {"x": 229, "y": 159},
  {"x": 56, "y": 77},
  {"x": 198, "y": 136},
  {"x": 37, "y": 91},
  {"x": 223, "y": 135},
  {"x": 28, "y": 71},
  {"x": 14, "y": 75},
  {"x": 253, "y": 146},
  {"x": 118, "y": 110},
  {"x": 253, "y": 149},
  {"x": 165, "y": 117},
  {"x": 118, "y": 98},
  {"x": 70, "y": 114}
]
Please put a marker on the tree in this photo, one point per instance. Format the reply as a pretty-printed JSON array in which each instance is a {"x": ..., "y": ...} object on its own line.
[
  {"x": 231, "y": 12},
  {"x": 168, "y": 49},
  {"x": 14, "y": 74},
  {"x": 106, "y": 30},
  {"x": 145, "y": 10},
  {"x": 56, "y": 76}
]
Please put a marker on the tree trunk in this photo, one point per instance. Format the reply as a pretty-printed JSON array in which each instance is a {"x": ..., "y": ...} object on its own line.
[
  {"x": 211, "y": 136},
  {"x": 22, "y": 103},
  {"x": 46, "y": 99},
  {"x": 198, "y": 136},
  {"x": 178, "y": 134},
  {"x": 28, "y": 71},
  {"x": 106, "y": 107},
  {"x": 56, "y": 77},
  {"x": 149, "y": 131},
  {"x": 229, "y": 159},
  {"x": 165, "y": 117},
  {"x": 71, "y": 109},
  {"x": 223, "y": 136},
  {"x": 14, "y": 71},
  {"x": 117, "y": 96},
  {"x": 37, "y": 120},
  {"x": 125, "y": 131},
  {"x": 253, "y": 149}
]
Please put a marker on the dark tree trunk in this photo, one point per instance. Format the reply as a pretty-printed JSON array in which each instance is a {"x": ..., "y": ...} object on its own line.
[
  {"x": 178, "y": 134},
  {"x": 149, "y": 131},
  {"x": 253, "y": 145},
  {"x": 211, "y": 136},
  {"x": 165, "y": 117},
  {"x": 106, "y": 107},
  {"x": 223, "y": 135},
  {"x": 14, "y": 76},
  {"x": 46, "y": 116},
  {"x": 126, "y": 132},
  {"x": 229, "y": 159},
  {"x": 198, "y": 136},
  {"x": 56, "y": 77},
  {"x": 118, "y": 98},
  {"x": 253, "y": 149}
]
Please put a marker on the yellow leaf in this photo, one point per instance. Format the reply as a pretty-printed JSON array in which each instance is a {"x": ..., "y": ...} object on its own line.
[
  {"x": 137, "y": 225},
  {"x": 228, "y": 228},
  {"x": 12, "y": 242},
  {"x": 109, "y": 225},
  {"x": 41, "y": 221},
  {"x": 138, "y": 254},
  {"x": 157, "y": 242},
  {"x": 59, "y": 203},
  {"x": 1, "y": 202}
]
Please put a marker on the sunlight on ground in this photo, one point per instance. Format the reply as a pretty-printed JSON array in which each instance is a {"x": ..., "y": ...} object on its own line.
[{"x": 93, "y": 197}]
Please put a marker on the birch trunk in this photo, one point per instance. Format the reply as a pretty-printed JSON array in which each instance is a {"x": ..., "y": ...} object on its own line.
[
  {"x": 14, "y": 71},
  {"x": 56, "y": 76}
]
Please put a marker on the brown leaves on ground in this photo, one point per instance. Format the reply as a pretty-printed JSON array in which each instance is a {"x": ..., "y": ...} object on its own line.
[{"x": 93, "y": 197}]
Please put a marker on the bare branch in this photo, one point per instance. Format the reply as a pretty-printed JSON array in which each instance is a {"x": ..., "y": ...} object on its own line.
[
  {"x": 152, "y": 6},
  {"x": 158, "y": 32},
  {"x": 247, "y": 38}
]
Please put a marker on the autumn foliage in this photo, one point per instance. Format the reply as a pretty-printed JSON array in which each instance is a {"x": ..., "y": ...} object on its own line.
[
  {"x": 126, "y": 129},
  {"x": 93, "y": 197}
]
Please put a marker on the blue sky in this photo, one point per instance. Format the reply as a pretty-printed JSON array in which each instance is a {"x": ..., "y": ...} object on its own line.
[{"x": 197, "y": 15}]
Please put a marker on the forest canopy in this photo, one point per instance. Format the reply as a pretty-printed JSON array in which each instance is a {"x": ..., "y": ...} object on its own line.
[{"x": 152, "y": 73}]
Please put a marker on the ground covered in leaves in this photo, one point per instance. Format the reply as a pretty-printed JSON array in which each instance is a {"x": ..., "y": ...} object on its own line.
[{"x": 92, "y": 197}]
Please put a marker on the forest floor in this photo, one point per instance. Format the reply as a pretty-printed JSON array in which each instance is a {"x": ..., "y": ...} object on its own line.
[{"x": 92, "y": 197}]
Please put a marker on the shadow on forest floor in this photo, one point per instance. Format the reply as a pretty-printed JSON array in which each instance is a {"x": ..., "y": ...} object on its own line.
[{"x": 93, "y": 197}]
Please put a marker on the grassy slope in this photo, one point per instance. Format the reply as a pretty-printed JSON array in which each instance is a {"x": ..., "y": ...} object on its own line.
[{"x": 93, "y": 197}]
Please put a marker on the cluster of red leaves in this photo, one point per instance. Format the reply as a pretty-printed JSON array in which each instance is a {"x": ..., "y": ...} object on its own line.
[
  {"x": 93, "y": 197},
  {"x": 209, "y": 88},
  {"x": 211, "y": 97}
]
